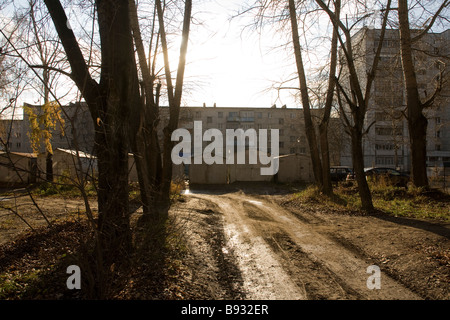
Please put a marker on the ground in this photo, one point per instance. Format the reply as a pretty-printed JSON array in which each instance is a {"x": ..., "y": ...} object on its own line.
[{"x": 245, "y": 242}]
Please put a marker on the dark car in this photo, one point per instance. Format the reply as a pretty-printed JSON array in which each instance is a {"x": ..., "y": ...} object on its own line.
[
  {"x": 339, "y": 173},
  {"x": 389, "y": 175}
]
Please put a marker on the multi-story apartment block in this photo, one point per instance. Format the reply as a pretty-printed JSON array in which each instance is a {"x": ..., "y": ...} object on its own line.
[
  {"x": 13, "y": 135},
  {"x": 387, "y": 141},
  {"x": 288, "y": 121},
  {"x": 78, "y": 128},
  {"x": 75, "y": 131}
]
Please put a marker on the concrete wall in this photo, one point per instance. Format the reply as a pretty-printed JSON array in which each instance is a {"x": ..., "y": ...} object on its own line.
[
  {"x": 247, "y": 172},
  {"x": 178, "y": 171},
  {"x": 208, "y": 174},
  {"x": 294, "y": 168},
  {"x": 66, "y": 162},
  {"x": 17, "y": 168}
]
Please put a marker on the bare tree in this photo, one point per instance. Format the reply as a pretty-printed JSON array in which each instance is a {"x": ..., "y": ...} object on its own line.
[
  {"x": 111, "y": 101},
  {"x": 153, "y": 161},
  {"x": 174, "y": 96},
  {"x": 417, "y": 121},
  {"x": 357, "y": 96},
  {"x": 290, "y": 14},
  {"x": 319, "y": 151}
]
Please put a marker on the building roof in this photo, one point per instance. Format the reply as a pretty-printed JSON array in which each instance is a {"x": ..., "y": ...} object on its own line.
[
  {"x": 77, "y": 153},
  {"x": 21, "y": 154}
]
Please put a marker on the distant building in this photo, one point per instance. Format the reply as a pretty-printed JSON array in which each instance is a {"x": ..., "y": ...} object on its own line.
[
  {"x": 289, "y": 122},
  {"x": 78, "y": 128},
  {"x": 387, "y": 142},
  {"x": 76, "y": 132}
]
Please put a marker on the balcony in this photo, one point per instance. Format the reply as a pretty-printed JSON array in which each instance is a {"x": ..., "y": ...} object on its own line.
[{"x": 233, "y": 119}]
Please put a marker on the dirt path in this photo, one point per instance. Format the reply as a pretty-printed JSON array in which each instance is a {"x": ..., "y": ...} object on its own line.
[{"x": 276, "y": 253}]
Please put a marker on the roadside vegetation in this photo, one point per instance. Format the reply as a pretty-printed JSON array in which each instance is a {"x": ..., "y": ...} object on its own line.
[
  {"x": 412, "y": 202},
  {"x": 33, "y": 266}
]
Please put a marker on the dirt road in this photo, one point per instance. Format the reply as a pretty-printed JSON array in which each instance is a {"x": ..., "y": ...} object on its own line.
[{"x": 245, "y": 245}]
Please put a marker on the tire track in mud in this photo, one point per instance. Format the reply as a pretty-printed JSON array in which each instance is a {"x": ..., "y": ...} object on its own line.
[
  {"x": 213, "y": 268},
  {"x": 281, "y": 257}
]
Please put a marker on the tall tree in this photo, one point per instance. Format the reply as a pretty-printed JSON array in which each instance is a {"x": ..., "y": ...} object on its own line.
[
  {"x": 47, "y": 52},
  {"x": 174, "y": 97},
  {"x": 153, "y": 161},
  {"x": 357, "y": 96},
  {"x": 111, "y": 101},
  {"x": 144, "y": 141},
  {"x": 291, "y": 14},
  {"x": 319, "y": 148},
  {"x": 417, "y": 121}
]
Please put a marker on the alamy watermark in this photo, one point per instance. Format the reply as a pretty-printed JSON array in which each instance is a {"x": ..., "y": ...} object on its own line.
[
  {"x": 216, "y": 152},
  {"x": 374, "y": 281},
  {"x": 74, "y": 281}
]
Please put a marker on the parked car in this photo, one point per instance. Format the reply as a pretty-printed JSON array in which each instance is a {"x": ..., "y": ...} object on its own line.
[
  {"x": 339, "y": 173},
  {"x": 390, "y": 175}
]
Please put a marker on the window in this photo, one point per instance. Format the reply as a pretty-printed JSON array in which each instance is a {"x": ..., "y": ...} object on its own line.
[
  {"x": 437, "y": 120},
  {"x": 438, "y": 134},
  {"x": 292, "y": 115},
  {"x": 292, "y": 150},
  {"x": 281, "y": 132},
  {"x": 209, "y": 120},
  {"x": 292, "y": 139},
  {"x": 382, "y": 131},
  {"x": 198, "y": 114},
  {"x": 281, "y": 121},
  {"x": 381, "y": 116},
  {"x": 281, "y": 144},
  {"x": 18, "y": 144},
  {"x": 220, "y": 114},
  {"x": 384, "y": 146},
  {"x": 384, "y": 160},
  {"x": 302, "y": 150},
  {"x": 438, "y": 147},
  {"x": 259, "y": 115},
  {"x": 248, "y": 116},
  {"x": 269, "y": 115}
]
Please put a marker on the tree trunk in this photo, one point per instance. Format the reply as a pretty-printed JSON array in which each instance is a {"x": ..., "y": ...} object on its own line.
[
  {"x": 309, "y": 125},
  {"x": 120, "y": 97},
  {"x": 111, "y": 104},
  {"x": 174, "y": 94},
  {"x": 323, "y": 126},
  {"x": 417, "y": 122},
  {"x": 358, "y": 167},
  {"x": 325, "y": 153},
  {"x": 145, "y": 145},
  {"x": 49, "y": 167}
]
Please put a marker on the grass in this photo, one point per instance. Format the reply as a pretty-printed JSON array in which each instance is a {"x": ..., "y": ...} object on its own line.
[
  {"x": 48, "y": 189},
  {"x": 14, "y": 284},
  {"x": 395, "y": 201}
]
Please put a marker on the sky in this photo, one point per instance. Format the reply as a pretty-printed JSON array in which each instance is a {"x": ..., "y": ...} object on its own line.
[
  {"x": 232, "y": 66},
  {"x": 228, "y": 66}
]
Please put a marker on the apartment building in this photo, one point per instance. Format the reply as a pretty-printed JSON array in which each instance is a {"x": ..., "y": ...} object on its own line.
[
  {"x": 289, "y": 122},
  {"x": 75, "y": 131},
  {"x": 387, "y": 141},
  {"x": 13, "y": 135}
]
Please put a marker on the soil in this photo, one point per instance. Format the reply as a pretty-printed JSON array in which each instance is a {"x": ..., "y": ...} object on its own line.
[{"x": 253, "y": 242}]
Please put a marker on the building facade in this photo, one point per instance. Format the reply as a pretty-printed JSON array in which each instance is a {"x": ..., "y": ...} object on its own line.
[{"x": 387, "y": 140}]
